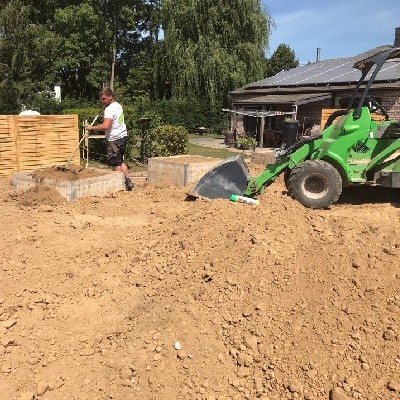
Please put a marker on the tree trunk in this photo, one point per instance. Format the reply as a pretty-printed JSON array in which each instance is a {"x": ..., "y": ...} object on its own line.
[{"x": 114, "y": 49}]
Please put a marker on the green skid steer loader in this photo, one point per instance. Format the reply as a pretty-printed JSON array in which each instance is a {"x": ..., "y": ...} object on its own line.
[{"x": 352, "y": 150}]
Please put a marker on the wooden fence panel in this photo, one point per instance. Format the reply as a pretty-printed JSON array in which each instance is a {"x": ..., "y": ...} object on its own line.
[
  {"x": 8, "y": 151},
  {"x": 32, "y": 142}
]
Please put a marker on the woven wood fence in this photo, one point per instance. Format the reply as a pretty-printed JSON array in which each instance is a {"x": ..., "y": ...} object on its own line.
[
  {"x": 28, "y": 143},
  {"x": 326, "y": 112}
]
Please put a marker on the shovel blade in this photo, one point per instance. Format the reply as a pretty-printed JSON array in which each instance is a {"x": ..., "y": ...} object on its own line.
[{"x": 229, "y": 177}]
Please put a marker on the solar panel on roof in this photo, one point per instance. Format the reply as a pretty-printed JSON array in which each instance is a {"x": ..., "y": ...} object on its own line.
[{"x": 339, "y": 71}]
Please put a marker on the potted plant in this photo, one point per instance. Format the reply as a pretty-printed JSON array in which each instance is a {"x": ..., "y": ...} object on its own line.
[{"x": 246, "y": 142}]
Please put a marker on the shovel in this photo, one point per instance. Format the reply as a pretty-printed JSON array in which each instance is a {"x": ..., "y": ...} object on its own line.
[{"x": 66, "y": 166}]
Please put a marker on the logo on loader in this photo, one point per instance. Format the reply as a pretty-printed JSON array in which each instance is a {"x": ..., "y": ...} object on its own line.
[{"x": 360, "y": 147}]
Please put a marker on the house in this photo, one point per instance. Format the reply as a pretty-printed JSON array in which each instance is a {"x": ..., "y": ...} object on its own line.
[{"x": 303, "y": 92}]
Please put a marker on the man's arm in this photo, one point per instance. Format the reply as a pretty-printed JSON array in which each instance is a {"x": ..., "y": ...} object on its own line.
[{"x": 107, "y": 122}]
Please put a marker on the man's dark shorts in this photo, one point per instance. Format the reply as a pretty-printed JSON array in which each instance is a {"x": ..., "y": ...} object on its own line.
[{"x": 116, "y": 151}]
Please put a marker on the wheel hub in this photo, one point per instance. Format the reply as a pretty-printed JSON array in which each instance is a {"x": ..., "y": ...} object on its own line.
[{"x": 316, "y": 186}]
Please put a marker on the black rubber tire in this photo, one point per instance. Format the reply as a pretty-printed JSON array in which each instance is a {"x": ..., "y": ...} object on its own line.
[
  {"x": 315, "y": 184},
  {"x": 286, "y": 176},
  {"x": 333, "y": 116}
]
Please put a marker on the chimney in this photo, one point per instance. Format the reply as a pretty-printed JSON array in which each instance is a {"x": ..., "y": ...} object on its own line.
[
  {"x": 397, "y": 37},
  {"x": 318, "y": 53}
]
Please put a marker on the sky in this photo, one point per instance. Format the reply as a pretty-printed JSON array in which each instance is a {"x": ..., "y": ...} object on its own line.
[{"x": 340, "y": 28}]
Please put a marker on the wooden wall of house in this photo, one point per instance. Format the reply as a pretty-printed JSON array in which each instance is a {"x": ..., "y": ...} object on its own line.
[{"x": 310, "y": 114}]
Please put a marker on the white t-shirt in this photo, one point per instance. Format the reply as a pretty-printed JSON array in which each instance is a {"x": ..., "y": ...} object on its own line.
[{"x": 118, "y": 128}]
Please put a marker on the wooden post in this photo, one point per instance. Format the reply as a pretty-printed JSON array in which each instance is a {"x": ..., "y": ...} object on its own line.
[
  {"x": 262, "y": 125},
  {"x": 234, "y": 120}
]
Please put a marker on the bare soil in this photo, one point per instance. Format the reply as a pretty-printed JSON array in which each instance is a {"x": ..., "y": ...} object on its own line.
[
  {"x": 147, "y": 295},
  {"x": 69, "y": 173}
]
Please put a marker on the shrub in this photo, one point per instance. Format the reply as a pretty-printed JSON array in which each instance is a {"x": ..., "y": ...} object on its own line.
[
  {"x": 165, "y": 141},
  {"x": 45, "y": 105},
  {"x": 189, "y": 113}
]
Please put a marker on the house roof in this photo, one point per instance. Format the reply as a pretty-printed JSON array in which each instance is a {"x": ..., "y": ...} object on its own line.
[
  {"x": 257, "y": 91},
  {"x": 291, "y": 99},
  {"x": 328, "y": 73}
]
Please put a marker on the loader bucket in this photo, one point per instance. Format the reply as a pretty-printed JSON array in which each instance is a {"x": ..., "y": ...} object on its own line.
[{"x": 229, "y": 177}]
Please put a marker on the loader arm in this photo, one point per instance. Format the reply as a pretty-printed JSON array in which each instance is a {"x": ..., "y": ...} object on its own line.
[{"x": 288, "y": 160}]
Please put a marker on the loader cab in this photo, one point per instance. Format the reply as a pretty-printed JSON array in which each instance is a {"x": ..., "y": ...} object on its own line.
[
  {"x": 363, "y": 86},
  {"x": 349, "y": 103}
]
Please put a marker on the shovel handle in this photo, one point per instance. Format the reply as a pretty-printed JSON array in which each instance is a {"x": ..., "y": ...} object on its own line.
[{"x": 83, "y": 137}]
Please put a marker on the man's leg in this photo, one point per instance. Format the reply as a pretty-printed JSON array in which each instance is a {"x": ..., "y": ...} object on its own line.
[
  {"x": 128, "y": 183},
  {"x": 115, "y": 153},
  {"x": 122, "y": 168}
]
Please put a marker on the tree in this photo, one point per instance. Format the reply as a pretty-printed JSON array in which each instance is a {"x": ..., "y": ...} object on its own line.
[
  {"x": 26, "y": 50},
  {"x": 85, "y": 44},
  {"x": 282, "y": 59},
  {"x": 83, "y": 58},
  {"x": 136, "y": 33},
  {"x": 210, "y": 47},
  {"x": 8, "y": 98},
  {"x": 123, "y": 18}
]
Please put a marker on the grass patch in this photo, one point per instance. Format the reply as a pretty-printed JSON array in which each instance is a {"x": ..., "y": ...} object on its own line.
[
  {"x": 208, "y": 136},
  {"x": 196, "y": 150}
]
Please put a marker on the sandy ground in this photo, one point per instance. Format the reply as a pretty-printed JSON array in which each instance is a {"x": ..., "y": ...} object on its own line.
[{"x": 145, "y": 295}]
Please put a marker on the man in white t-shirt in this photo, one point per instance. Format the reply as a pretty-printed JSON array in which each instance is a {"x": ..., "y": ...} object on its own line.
[{"x": 116, "y": 133}]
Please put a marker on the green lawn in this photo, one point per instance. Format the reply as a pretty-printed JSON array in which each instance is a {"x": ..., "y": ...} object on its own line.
[
  {"x": 210, "y": 136},
  {"x": 197, "y": 150}
]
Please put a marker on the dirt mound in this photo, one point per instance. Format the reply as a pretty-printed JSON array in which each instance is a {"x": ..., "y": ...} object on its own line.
[
  {"x": 38, "y": 196},
  {"x": 145, "y": 295}
]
